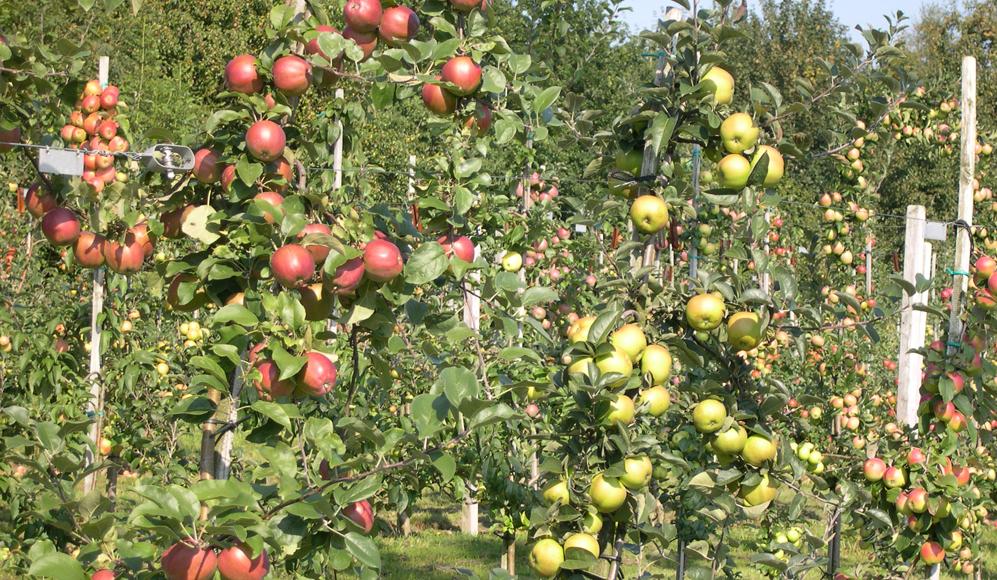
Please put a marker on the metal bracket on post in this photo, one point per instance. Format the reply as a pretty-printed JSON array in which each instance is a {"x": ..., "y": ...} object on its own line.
[{"x": 169, "y": 159}]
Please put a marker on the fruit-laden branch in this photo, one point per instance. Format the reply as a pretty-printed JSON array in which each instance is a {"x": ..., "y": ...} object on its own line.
[
  {"x": 847, "y": 144},
  {"x": 836, "y": 84},
  {"x": 379, "y": 469}
]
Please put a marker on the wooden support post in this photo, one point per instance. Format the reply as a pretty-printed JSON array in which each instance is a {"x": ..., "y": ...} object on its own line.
[
  {"x": 472, "y": 318},
  {"x": 868, "y": 266},
  {"x": 95, "y": 406},
  {"x": 967, "y": 168},
  {"x": 963, "y": 235},
  {"x": 908, "y": 390},
  {"x": 337, "y": 148},
  {"x": 766, "y": 278}
]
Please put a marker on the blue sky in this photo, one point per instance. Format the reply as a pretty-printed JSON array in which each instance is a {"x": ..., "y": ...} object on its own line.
[{"x": 849, "y": 12}]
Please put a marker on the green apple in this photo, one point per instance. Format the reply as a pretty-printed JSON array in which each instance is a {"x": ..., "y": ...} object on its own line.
[
  {"x": 656, "y": 361},
  {"x": 638, "y": 472},
  {"x": 582, "y": 541},
  {"x": 705, "y": 311},
  {"x": 776, "y": 165},
  {"x": 546, "y": 558},
  {"x": 607, "y": 495},
  {"x": 558, "y": 492},
  {"x": 744, "y": 330},
  {"x": 709, "y": 416},
  {"x": 723, "y": 85},
  {"x": 631, "y": 340},
  {"x": 649, "y": 214},
  {"x": 618, "y": 411},
  {"x": 804, "y": 451},
  {"x": 579, "y": 366},
  {"x": 655, "y": 400},
  {"x": 512, "y": 261},
  {"x": 739, "y": 133},
  {"x": 730, "y": 441},
  {"x": 626, "y": 167},
  {"x": 757, "y": 450},
  {"x": 735, "y": 169}
]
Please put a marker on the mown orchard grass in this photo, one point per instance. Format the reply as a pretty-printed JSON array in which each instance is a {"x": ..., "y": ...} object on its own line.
[{"x": 437, "y": 550}]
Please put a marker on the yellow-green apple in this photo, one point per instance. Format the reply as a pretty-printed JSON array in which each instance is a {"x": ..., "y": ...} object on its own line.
[
  {"x": 649, "y": 214},
  {"x": 546, "y": 557},
  {"x": 638, "y": 472},
  {"x": 631, "y": 340},
  {"x": 759, "y": 493},
  {"x": 705, "y": 311},
  {"x": 735, "y": 169},
  {"x": 607, "y": 494},
  {"x": 738, "y": 133},
  {"x": 776, "y": 165},
  {"x": 582, "y": 541},
  {"x": 578, "y": 331},
  {"x": 744, "y": 330},
  {"x": 723, "y": 85},
  {"x": 709, "y": 416},
  {"x": 730, "y": 441},
  {"x": 615, "y": 362},
  {"x": 656, "y": 361},
  {"x": 591, "y": 521},
  {"x": 512, "y": 261},
  {"x": 757, "y": 450},
  {"x": 655, "y": 400},
  {"x": 917, "y": 500},
  {"x": 558, "y": 492},
  {"x": 618, "y": 411}
]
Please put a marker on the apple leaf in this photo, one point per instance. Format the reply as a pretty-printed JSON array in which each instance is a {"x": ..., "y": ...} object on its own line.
[
  {"x": 363, "y": 549},
  {"x": 426, "y": 264},
  {"x": 198, "y": 226},
  {"x": 57, "y": 565}
]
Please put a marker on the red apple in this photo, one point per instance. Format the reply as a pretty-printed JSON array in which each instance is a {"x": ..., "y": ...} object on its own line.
[
  {"x": 139, "y": 234},
  {"x": 318, "y": 376},
  {"x": 932, "y": 553},
  {"x": 265, "y": 140},
  {"x": 382, "y": 260},
  {"x": 109, "y": 98},
  {"x": 468, "y": 5},
  {"x": 463, "y": 72},
  {"x": 123, "y": 258},
  {"x": 37, "y": 201},
  {"x": 367, "y": 41},
  {"x": 107, "y": 129},
  {"x": 361, "y": 514},
  {"x": 292, "y": 75},
  {"x": 318, "y": 252},
  {"x": 234, "y": 563},
  {"x": 269, "y": 385},
  {"x": 481, "y": 121},
  {"x": 916, "y": 456},
  {"x": 206, "y": 167},
  {"x": 362, "y": 15},
  {"x": 61, "y": 226},
  {"x": 228, "y": 177},
  {"x": 398, "y": 24},
  {"x": 273, "y": 198},
  {"x": 348, "y": 276},
  {"x": 292, "y": 265},
  {"x": 89, "y": 250},
  {"x": 874, "y": 469},
  {"x": 184, "y": 561},
  {"x": 460, "y": 246},
  {"x": 438, "y": 100},
  {"x": 241, "y": 75},
  {"x": 103, "y": 575}
]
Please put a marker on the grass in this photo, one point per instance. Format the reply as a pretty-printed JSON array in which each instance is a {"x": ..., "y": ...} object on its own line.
[{"x": 437, "y": 550}]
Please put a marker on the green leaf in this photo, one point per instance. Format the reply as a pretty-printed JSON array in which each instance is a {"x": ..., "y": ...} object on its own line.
[
  {"x": 493, "y": 414},
  {"x": 193, "y": 409},
  {"x": 57, "y": 565},
  {"x": 446, "y": 465},
  {"x": 428, "y": 413},
  {"x": 538, "y": 295},
  {"x": 276, "y": 411},
  {"x": 363, "y": 549},
  {"x": 458, "y": 384},
  {"x": 197, "y": 226},
  {"x": 660, "y": 132},
  {"x": 545, "y": 99},
  {"x": 427, "y": 263},
  {"x": 288, "y": 364},
  {"x": 236, "y": 313},
  {"x": 248, "y": 171}
]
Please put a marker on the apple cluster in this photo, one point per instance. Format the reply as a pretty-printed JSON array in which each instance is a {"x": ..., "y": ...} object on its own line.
[
  {"x": 615, "y": 360},
  {"x": 92, "y": 128},
  {"x": 537, "y": 185}
]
